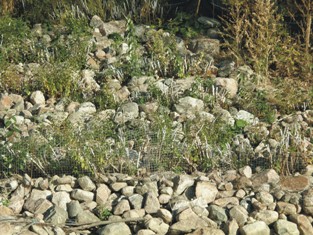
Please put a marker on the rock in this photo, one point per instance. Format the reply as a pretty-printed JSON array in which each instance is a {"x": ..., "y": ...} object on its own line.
[
  {"x": 165, "y": 215},
  {"x": 136, "y": 201},
  {"x": 118, "y": 186},
  {"x": 207, "y": 46},
  {"x": 127, "y": 112},
  {"x": 246, "y": 116},
  {"x": 268, "y": 176},
  {"x": 229, "y": 84},
  {"x": 37, "y": 97},
  {"x": 6, "y": 102},
  {"x": 117, "y": 26},
  {"x": 121, "y": 207},
  {"x": 232, "y": 227},
  {"x": 304, "y": 224},
  {"x": 74, "y": 208},
  {"x": 56, "y": 216},
  {"x": 157, "y": 225},
  {"x": 246, "y": 171},
  {"x": 86, "y": 183},
  {"x": 308, "y": 202},
  {"x": 140, "y": 84},
  {"x": 239, "y": 214},
  {"x": 206, "y": 190},
  {"x": 86, "y": 217},
  {"x": 102, "y": 194},
  {"x": 255, "y": 228},
  {"x": 189, "y": 106},
  {"x": 164, "y": 198},
  {"x": 60, "y": 199},
  {"x": 295, "y": 183},
  {"x": 207, "y": 231},
  {"x": 87, "y": 82},
  {"x": 128, "y": 191},
  {"x": 96, "y": 22},
  {"x": 223, "y": 202},
  {"x": 81, "y": 195},
  {"x": 308, "y": 170},
  {"x": 151, "y": 204},
  {"x": 5, "y": 211},
  {"x": 37, "y": 201},
  {"x": 115, "y": 229},
  {"x": 217, "y": 214},
  {"x": 145, "y": 232},
  {"x": 87, "y": 108},
  {"x": 187, "y": 222},
  {"x": 265, "y": 197},
  {"x": 267, "y": 216},
  {"x": 226, "y": 68},
  {"x": 285, "y": 227},
  {"x": 286, "y": 208},
  {"x": 181, "y": 183},
  {"x": 208, "y": 22}
]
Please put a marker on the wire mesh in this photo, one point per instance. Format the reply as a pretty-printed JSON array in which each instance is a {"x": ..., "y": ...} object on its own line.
[{"x": 107, "y": 148}]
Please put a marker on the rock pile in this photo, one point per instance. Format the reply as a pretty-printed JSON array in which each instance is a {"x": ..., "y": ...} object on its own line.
[{"x": 204, "y": 203}]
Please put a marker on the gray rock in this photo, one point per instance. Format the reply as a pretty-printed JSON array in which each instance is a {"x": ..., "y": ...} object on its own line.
[
  {"x": 127, "y": 112},
  {"x": 187, "y": 222},
  {"x": 218, "y": 214},
  {"x": 56, "y": 216},
  {"x": 117, "y": 26},
  {"x": 157, "y": 225},
  {"x": 207, "y": 191},
  {"x": 246, "y": 116},
  {"x": 121, "y": 207},
  {"x": 283, "y": 227},
  {"x": 207, "y": 230},
  {"x": 128, "y": 191},
  {"x": 268, "y": 176},
  {"x": 87, "y": 82},
  {"x": 255, "y": 228},
  {"x": 165, "y": 215},
  {"x": 60, "y": 199},
  {"x": 164, "y": 198},
  {"x": 38, "y": 201},
  {"x": 240, "y": 214},
  {"x": 37, "y": 97},
  {"x": 308, "y": 202},
  {"x": 102, "y": 194},
  {"x": 118, "y": 186},
  {"x": 267, "y": 216},
  {"x": 265, "y": 197},
  {"x": 229, "y": 84},
  {"x": 86, "y": 183},
  {"x": 86, "y": 217},
  {"x": 81, "y": 195},
  {"x": 189, "y": 105},
  {"x": 232, "y": 227},
  {"x": 206, "y": 46},
  {"x": 151, "y": 204},
  {"x": 136, "y": 201},
  {"x": 74, "y": 208},
  {"x": 96, "y": 22},
  {"x": 181, "y": 183},
  {"x": 87, "y": 108},
  {"x": 115, "y": 229},
  {"x": 140, "y": 84},
  {"x": 145, "y": 232},
  {"x": 246, "y": 171}
]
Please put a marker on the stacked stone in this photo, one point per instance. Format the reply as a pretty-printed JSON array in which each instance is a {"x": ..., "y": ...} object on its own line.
[{"x": 205, "y": 203}]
